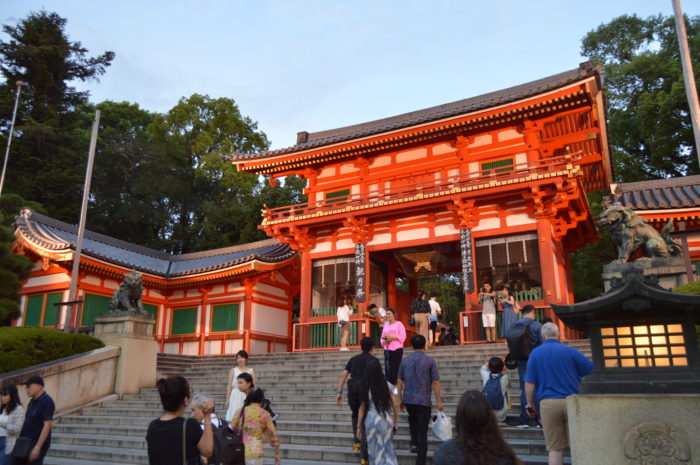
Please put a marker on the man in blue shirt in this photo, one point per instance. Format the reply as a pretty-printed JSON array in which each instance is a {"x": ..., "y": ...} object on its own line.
[
  {"x": 37, "y": 421},
  {"x": 554, "y": 372},
  {"x": 418, "y": 376},
  {"x": 533, "y": 329}
]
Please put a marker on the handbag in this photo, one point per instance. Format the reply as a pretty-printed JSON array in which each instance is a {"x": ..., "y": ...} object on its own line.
[
  {"x": 23, "y": 447},
  {"x": 412, "y": 321},
  {"x": 441, "y": 425}
]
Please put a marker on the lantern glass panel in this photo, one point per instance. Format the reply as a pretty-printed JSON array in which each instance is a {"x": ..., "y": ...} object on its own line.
[
  {"x": 624, "y": 331},
  {"x": 680, "y": 361}
]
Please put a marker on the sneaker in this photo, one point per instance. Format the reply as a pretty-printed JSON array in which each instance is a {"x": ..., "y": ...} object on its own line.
[
  {"x": 363, "y": 462},
  {"x": 344, "y": 348},
  {"x": 523, "y": 426},
  {"x": 356, "y": 446}
]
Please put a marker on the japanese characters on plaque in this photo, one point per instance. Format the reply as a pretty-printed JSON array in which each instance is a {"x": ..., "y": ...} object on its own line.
[
  {"x": 360, "y": 272},
  {"x": 465, "y": 245}
]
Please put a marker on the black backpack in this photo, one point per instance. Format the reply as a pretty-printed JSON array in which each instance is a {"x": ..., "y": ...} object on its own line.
[
  {"x": 228, "y": 446},
  {"x": 519, "y": 343},
  {"x": 492, "y": 391}
]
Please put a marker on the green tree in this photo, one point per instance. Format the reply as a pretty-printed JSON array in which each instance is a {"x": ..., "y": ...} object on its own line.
[
  {"x": 650, "y": 132},
  {"x": 448, "y": 289},
  {"x": 13, "y": 270},
  {"x": 587, "y": 262},
  {"x": 206, "y": 198},
  {"x": 125, "y": 202},
  {"x": 12, "y": 204},
  {"x": 47, "y": 162}
]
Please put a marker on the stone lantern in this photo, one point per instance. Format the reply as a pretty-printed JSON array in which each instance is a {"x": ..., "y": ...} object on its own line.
[{"x": 641, "y": 403}]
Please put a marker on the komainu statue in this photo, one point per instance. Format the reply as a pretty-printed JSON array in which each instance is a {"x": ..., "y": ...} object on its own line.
[
  {"x": 631, "y": 232},
  {"x": 128, "y": 297}
]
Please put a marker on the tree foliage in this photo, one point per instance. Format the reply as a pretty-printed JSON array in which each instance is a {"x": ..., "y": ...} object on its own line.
[
  {"x": 47, "y": 162},
  {"x": 650, "y": 131},
  {"x": 13, "y": 270},
  {"x": 448, "y": 289}
]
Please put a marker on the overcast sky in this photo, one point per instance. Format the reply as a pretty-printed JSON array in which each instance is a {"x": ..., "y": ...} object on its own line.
[{"x": 315, "y": 65}]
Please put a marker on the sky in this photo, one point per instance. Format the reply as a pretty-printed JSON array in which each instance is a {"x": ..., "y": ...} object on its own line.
[{"x": 312, "y": 65}]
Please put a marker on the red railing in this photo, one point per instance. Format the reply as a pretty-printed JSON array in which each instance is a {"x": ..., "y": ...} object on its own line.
[
  {"x": 423, "y": 188},
  {"x": 324, "y": 334},
  {"x": 245, "y": 335}
]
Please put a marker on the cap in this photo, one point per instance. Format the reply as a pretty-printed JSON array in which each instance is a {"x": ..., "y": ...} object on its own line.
[{"x": 34, "y": 380}]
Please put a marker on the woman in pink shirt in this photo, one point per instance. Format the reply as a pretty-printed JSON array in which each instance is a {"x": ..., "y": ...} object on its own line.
[{"x": 393, "y": 336}]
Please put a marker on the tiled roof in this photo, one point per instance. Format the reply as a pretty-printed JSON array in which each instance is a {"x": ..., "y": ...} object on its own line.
[
  {"x": 659, "y": 194},
  {"x": 57, "y": 236},
  {"x": 478, "y": 103}
]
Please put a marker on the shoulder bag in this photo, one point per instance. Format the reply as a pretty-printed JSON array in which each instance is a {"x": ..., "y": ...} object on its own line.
[{"x": 23, "y": 447}]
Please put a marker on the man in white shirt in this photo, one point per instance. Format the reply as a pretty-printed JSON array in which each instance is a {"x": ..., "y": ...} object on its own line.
[{"x": 435, "y": 311}]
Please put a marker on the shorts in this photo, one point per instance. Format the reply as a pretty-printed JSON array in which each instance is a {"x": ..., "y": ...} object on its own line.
[
  {"x": 488, "y": 320},
  {"x": 555, "y": 423}
]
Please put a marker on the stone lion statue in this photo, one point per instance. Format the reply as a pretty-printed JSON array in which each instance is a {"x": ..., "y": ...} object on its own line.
[
  {"x": 631, "y": 232},
  {"x": 128, "y": 297}
]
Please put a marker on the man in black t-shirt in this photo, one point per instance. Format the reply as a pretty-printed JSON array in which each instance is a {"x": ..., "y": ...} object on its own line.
[
  {"x": 354, "y": 368},
  {"x": 37, "y": 421}
]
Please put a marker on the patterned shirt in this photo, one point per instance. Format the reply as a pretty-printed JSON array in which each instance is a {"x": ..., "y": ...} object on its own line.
[
  {"x": 257, "y": 428},
  {"x": 418, "y": 371}
]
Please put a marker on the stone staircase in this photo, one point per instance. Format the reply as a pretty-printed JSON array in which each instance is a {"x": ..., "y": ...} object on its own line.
[{"x": 312, "y": 428}]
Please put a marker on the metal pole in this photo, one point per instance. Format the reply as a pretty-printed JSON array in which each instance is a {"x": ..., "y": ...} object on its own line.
[
  {"x": 9, "y": 137},
  {"x": 690, "y": 89},
  {"x": 81, "y": 226}
]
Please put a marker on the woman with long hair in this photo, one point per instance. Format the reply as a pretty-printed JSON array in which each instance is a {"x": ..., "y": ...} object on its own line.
[
  {"x": 257, "y": 427},
  {"x": 420, "y": 311},
  {"x": 234, "y": 396},
  {"x": 11, "y": 421},
  {"x": 508, "y": 306},
  {"x": 172, "y": 439},
  {"x": 393, "y": 337},
  {"x": 479, "y": 440},
  {"x": 380, "y": 415}
]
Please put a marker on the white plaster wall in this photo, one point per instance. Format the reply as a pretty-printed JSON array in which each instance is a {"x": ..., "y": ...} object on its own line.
[
  {"x": 519, "y": 219},
  {"x": 282, "y": 279},
  {"x": 272, "y": 290},
  {"x": 378, "y": 162},
  {"x": 412, "y": 234},
  {"x": 521, "y": 158},
  {"x": 355, "y": 189},
  {"x": 439, "y": 149},
  {"x": 171, "y": 348},
  {"x": 220, "y": 289},
  {"x": 212, "y": 347},
  {"x": 508, "y": 134},
  {"x": 178, "y": 294},
  {"x": 411, "y": 155},
  {"x": 488, "y": 223},
  {"x": 111, "y": 284},
  {"x": 258, "y": 347},
  {"x": 155, "y": 293},
  {"x": 193, "y": 293},
  {"x": 383, "y": 238},
  {"x": 207, "y": 322},
  {"x": 348, "y": 168},
  {"x": 47, "y": 279},
  {"x": 481, "y": 140},
  {"x": 328, "y": 171},
  {"x": 233, "y": 346},
  {"x": 190, "y": 348},
  {"x": 445, "y": 230},
  {"x": 269, "y": 320},
  {"x": 322, "y": 247},
  {"x": 91, "y": 279},
  {"x": 473, "y": 169},
  {"x": 344, "y": 244},
  {"x": 277, "y": 347}
]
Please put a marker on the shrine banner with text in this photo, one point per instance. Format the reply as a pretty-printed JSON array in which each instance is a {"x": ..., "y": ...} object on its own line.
[
  {"x": 360, "y": 272},
  {"x": 465, "y": 245}
]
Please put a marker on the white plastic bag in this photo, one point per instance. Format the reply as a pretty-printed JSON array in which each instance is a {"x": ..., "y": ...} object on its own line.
[{"x": 441, "y": 425}]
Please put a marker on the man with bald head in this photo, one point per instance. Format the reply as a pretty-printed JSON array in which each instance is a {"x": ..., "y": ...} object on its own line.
[{"x": 554, "y": 371}]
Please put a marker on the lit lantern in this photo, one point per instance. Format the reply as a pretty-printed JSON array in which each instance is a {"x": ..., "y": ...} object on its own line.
[{"x": 642, "y": 338}]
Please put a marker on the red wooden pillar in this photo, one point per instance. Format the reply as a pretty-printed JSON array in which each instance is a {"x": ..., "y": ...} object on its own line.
[
  {"x": 203, "y": 320},
  {"x": 547, "y": 263},
  {"x": 305, "y": 290}
]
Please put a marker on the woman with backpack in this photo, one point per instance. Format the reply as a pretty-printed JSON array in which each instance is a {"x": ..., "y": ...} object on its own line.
[
  {"x": 172, "y": 439},
  {"x": 479, "y": 440},
  {"x": 11, "y": 421},
  {"x": 256, "y": 425},
  {"x": 495, "y": 379}
]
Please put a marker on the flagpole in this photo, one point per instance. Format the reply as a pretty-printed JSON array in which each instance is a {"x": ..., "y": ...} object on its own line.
[
  {"x": 690, "y": 89},
  {"x": 72, "y": 297},
  {"x": 9, "y": 138}
]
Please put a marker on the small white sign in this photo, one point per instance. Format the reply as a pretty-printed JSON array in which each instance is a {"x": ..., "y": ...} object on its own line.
[{"x": 465, "y": 321}]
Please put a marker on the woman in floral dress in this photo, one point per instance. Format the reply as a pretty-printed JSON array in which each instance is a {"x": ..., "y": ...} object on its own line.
[
  {"x": 257, "y": 427},
  {"x": 380, "y": 415}
]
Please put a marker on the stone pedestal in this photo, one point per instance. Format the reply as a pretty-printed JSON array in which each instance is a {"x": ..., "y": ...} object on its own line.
[
  {"x": 671, "y": 272},
  {"x": 136, "y": 368},
  {"x": 628, "y": 429}
]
